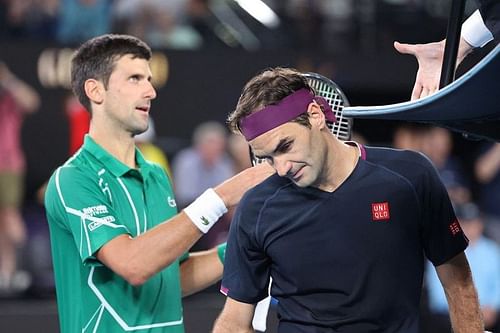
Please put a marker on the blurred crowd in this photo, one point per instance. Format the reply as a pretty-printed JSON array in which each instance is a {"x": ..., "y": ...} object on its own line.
[
  {"x": 193, "y": 24},
  {"x": 213, "y": 154}
]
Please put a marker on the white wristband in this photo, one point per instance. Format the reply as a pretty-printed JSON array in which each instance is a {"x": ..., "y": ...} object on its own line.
[{"x": 206, "y": 210}]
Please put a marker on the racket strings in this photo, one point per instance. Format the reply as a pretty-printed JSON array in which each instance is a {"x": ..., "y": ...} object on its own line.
[{"x": 342, "y": 127}]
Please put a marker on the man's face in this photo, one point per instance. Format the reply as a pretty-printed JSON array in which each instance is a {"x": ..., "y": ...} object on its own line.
[
  {"x": 295, "y": 151},
  {"x": 128, "y": 96}
]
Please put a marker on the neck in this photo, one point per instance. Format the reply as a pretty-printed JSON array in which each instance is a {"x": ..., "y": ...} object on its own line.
[
  {"x": 118, "y": 143},
  {"x": 342, "y": 159}
]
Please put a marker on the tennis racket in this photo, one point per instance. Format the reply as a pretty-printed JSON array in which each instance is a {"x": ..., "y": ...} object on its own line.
[{"x": 330, "y": 91}]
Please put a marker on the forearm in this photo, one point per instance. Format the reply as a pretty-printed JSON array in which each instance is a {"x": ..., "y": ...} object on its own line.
[
  {"x": 201, "y": 270},
  {"x": 463, "y": 303},
  {"x": 465, "y": 314},
  {"x": 224, "y": 324},
  {"x": 236, "y": 317},
  {"x": 137, "y": 259}
]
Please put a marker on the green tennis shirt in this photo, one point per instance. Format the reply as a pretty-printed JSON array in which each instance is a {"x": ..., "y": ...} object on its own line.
[{"x": 90, "y": 200}]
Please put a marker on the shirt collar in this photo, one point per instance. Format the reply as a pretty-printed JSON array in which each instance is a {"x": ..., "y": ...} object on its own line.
[{"x": 113, "y": 165}]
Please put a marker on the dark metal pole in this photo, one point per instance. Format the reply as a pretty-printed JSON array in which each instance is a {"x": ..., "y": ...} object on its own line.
[{"x": 452, "y": 42}]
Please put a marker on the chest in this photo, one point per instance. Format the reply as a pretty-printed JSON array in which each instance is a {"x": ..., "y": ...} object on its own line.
[
  {"x": 140, "y": 203},
  {"x": 370, "y": 223}
]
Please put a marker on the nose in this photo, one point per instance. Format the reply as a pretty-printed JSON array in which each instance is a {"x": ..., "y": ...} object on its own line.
[
  {"x": 282, "y": 166},
  {"x": 150, "y": 91}
]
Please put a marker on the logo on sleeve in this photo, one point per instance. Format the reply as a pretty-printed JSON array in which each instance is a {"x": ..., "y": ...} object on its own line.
[
  {"x": 380, "y": 211},
  {"x": 455, "y": 228}
]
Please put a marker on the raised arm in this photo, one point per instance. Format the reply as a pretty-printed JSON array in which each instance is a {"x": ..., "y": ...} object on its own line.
[
  {"x": 23, "y": 94},
  {"x": 463, "y": 303},
  {"x": 169, "y": 240}
]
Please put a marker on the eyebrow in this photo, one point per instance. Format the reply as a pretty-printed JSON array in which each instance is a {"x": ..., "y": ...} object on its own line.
[{"x": 280, "y": 147}]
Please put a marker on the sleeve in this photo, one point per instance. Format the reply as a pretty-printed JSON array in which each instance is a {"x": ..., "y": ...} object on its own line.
[
  {"x": 490, "y": 12},
  {"x": 475, "y": 32},
  {"x": 246, "y": 266},
  {"x": 76, "y": 204},
  {"x": 443, "y": 237}
]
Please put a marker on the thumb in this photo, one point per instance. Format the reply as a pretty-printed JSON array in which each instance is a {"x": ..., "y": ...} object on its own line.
[{"x": 404, "y": 48}]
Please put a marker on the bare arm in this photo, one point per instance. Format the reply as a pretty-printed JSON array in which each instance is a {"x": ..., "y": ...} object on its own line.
[
  {"x": 166, "y": 242},
  {"x": 23, "y": 94},
  {"x": 201, "y": 270},
  {"x": 236, "y": 317},
  {"x": 463, "y": 303}
]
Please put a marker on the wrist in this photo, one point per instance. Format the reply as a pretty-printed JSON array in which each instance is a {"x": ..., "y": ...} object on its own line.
[{"x": 206, "y": 210}]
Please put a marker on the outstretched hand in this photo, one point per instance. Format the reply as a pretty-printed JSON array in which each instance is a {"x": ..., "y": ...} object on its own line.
[{"x": 430, "y": 60}]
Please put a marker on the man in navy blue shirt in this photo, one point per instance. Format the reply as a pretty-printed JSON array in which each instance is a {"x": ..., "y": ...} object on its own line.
[{"x": 342, "y": 229}]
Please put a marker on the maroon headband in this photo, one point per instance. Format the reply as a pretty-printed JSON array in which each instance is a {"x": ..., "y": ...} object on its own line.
[{"x": 287, "y": 109}]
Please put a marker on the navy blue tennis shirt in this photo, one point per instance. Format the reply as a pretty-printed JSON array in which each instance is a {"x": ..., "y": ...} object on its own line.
[{"x": 347, "y": 261}]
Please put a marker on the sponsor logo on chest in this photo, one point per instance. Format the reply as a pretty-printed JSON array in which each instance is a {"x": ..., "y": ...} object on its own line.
[{"x": 381, "y": 212}]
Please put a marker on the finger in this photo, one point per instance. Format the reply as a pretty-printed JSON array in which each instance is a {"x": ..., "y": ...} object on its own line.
[
  {"x": 425, "y": 93},
  {"x": 404, "y": 48},
  {"x": 417, "y": 90}
]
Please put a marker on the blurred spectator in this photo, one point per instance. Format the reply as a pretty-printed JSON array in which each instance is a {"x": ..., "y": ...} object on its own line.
[
  {"x": 239, "y": 152},
  {"x": 437, "y": 144},
  {"x": 16, "y": 100},
  {"x": 199, "y": 167},
  {"x": 80, "y": 20},
  {"x": 484, "y": 259},
  {"x": 151, "y": 152},
  {"x": 306, "y": 23},
  {"x": 162, "y": 24},
  {"x": 35, "y": 19},
  {"x": 487, "y": 171},
  {"x": 408, "y": 136},
  {"x": 210, "y": 29},
  {"x": 203, "y": 165}
]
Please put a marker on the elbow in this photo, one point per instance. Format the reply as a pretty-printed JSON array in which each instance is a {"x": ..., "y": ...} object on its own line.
[
  {"x": 135, "y": 281},
  {"x": 135, "y": 275}
]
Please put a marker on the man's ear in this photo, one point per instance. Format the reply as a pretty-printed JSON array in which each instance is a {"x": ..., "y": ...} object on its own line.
[
  {"x": 94, "y": 90},
  {"x": 316, "y": 115}
]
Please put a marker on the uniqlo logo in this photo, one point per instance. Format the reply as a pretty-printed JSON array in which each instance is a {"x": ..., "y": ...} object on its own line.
[
  {"x": 455, "y": 228},
  {"x": 380, "y": 211}
]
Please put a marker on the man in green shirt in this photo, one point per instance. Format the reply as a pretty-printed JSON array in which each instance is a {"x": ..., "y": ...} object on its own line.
[{"x": 119, "y": 245}]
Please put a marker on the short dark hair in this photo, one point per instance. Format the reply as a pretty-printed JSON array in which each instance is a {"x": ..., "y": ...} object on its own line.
[
  {"x": 268, "y": 88},
  {"x": 96, "y": 59}
]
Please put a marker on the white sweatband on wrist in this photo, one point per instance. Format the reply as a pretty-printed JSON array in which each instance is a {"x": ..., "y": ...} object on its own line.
[
  {"x": 206, "y": 210},
  {"x": 475, "y": 32}
]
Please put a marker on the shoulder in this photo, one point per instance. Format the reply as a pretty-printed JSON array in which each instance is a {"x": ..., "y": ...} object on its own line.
[
  {"x": 266, "y": 190},
  {"x": 404, "y": 162},
  {"x": 69, "y": 179}
]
